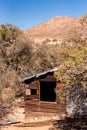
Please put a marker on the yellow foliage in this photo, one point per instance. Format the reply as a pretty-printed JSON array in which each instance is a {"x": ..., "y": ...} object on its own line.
[{"x": 73, "y": 69}]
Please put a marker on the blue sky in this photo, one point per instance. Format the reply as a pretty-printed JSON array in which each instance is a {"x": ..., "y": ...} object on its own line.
[{"x": 27, "y": 13}]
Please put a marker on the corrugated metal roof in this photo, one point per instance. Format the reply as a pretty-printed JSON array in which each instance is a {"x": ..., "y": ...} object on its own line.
[
  {"x": 38, "y": 76},
  {"x": 30, "y": 77}
]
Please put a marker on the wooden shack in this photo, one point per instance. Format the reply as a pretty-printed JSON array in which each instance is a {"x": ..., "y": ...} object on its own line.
[{"x": 41, "y": 92}]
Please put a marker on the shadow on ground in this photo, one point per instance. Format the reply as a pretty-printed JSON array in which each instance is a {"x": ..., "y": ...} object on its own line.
[{"x": 74, "y": 123}]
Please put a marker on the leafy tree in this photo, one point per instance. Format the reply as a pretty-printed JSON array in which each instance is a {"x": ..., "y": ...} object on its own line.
[
  {"x": 73, "y": 67},
  {"x": 9, "y": 33},
  {"x": 73, "y": 72}
]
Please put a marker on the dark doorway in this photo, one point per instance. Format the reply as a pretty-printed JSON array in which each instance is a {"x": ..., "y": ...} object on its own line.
[{"x": 47, "y": 91}]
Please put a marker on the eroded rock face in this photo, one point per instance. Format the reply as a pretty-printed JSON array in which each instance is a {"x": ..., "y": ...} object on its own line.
[
  {"x": 76, "y": 102},
  {"x": 59, "y": 28}
]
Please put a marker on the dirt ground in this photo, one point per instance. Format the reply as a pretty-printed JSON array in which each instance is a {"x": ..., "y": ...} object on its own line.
[
  {"x": 19, "y": 114},
  {"x": 12, "y": 127}
]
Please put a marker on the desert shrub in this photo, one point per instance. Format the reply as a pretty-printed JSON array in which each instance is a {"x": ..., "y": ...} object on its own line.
[
  {"x": 47, "y": 57},
  {"x": 9, "y": 33},
  {"x": 84, "y": 19},
  {"x": 73, "y": 72}
]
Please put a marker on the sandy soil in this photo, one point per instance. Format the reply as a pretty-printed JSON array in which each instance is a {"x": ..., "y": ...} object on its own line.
[
  {"x": 12, "y": 127},
  {"x": 19, "y": 114}
]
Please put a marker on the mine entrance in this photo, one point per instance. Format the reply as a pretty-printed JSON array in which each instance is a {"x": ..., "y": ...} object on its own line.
[{"x": 47, "y": 91}]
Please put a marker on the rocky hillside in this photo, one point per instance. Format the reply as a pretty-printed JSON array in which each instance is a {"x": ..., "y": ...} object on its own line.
[{"x": 59, "y": 28}]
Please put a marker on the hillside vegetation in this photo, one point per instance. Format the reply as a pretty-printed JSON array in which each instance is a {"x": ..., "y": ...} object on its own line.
[{"x": 21, "y": 57}]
